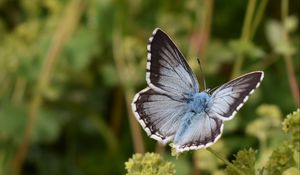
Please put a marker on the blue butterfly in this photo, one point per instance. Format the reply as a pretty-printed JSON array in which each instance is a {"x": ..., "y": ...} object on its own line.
[{"x": 171, "y": 108}]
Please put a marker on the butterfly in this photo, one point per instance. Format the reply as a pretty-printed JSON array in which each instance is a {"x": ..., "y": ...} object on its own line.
[{"x": 172, "y": 109}]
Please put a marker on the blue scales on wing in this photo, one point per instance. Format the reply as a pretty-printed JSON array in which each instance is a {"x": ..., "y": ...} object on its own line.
[
  {"x": 171, "y": 108},
  {"x": 159, "y": 107},
  {"x": 198, "y": 127}
]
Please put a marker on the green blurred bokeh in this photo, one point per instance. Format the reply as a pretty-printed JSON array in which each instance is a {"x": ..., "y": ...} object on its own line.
[{"x": 69, "y": 69}]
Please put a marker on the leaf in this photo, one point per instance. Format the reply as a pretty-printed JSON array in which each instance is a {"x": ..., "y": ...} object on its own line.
[
  {"x": 291, "y": 23},
  {"x": 12, "y": 122},
  {"x": 267, "y": 124},
  {"x": 291, "y": 125},
  {"x": 244, "y": 161},
  {"x": 280, "y": 160},
  {"x": 79, "y": 49},
  {"x": 246, "y": 48},
  {"x": 275, "y": 35},
  {"x": 47, "y": 127},
  {"x": 204, "y": 160},
  {"x": 109, "y": 75}
]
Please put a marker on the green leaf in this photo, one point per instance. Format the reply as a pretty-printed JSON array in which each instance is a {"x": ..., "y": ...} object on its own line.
[
  {"x": 276, "y": 38},
  {"x": 280, "y": 160},
  {"x": 246, "y": 48},
  {"x": 267, "y": 124},
  {"x": 207, "y": 161},
  {"x": 12, "y": 122},
  {"x": 79, "y": 49},
  {"x": 292, "y": 170},
  {"x": 244, "y": 161},
  {"x": 47, "y": 127},
  {"x": 109, "y": 75},
  {"x": 291, "y": 125}
]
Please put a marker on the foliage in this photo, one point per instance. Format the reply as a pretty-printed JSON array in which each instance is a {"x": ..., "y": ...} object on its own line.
[
  {"x": 149, "y": 164},
  {"x": 291, "y": 125},
  {"x": 281, "y": 161},
  {"x": 264, "y": 126},
  {"x": 244, "y": 161},
  {"x": 69, "y": 70},
  {"x": 282, "y": 158}
]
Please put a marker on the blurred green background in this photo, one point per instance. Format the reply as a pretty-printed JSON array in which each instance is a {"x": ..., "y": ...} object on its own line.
[{"x": 69, "y": 70}]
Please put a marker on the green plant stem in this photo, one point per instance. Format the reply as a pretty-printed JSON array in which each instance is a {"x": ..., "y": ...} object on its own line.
[
  {"x": 17, "y": 96},
  {"x": 225, "y": 160},
  {"x": 201, "y": 34},
  {"x": 263, "y": 145},
  {"x": 248, "y": 18},
  {"x": 106, "y": 133},
  {"x": 68, "y": 23},
  {"x": 206, "y": 27},
  {"x": 258, "y": 17},
  {"x": 244, "y": 37},
  {"x": 287, "y": 55}
]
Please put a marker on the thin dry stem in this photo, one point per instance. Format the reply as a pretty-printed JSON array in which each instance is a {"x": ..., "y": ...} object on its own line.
[
  {"x": 287, "y": 56},
  {"x": 206, "y": 28},
  {"x": 122, "y": 68},
  {"x": 67, "y": 25},
  {"x": 135, "y": 129}
]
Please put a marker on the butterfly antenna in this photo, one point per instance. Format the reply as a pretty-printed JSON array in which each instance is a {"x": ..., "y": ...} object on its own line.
[{"x": 202, "y": 74}]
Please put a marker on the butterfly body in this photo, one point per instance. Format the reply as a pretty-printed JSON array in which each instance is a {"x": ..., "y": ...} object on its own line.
[
  {"x": 200, "y": 102},
  {"x": 171, "y": 108}
]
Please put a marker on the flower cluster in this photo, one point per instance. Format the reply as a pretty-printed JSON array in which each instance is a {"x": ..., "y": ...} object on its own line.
[{"x": 149, "y": 164}]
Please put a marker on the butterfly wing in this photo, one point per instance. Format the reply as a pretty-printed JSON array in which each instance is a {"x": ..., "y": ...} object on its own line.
[
  {"x": 159, "y": 114},
  {"x": 230, "y": 97},
  {"x": 167, "y": 70},
  {"x": 171, "y": 81},
  {"x": 197, "y": 130}
]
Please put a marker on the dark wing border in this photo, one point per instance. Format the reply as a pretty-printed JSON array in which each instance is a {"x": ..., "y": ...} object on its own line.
[
  {"x": 145, "y": 121},
  {"x": 238, "y": 103},
  {"x": 198, "y": 145},
  {"x": 161, "y": 36}
]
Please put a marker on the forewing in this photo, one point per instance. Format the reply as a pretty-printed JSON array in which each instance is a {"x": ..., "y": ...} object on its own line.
[
  {"x": 158, "y": 114},
  {"x": 230, "y": 97},
  {"x": 201, "y": 131},
  {"x": 167, "y": 70}
]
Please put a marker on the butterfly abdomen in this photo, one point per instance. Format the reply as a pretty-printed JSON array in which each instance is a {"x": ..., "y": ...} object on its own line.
[{"x": 185, "y": 123}]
